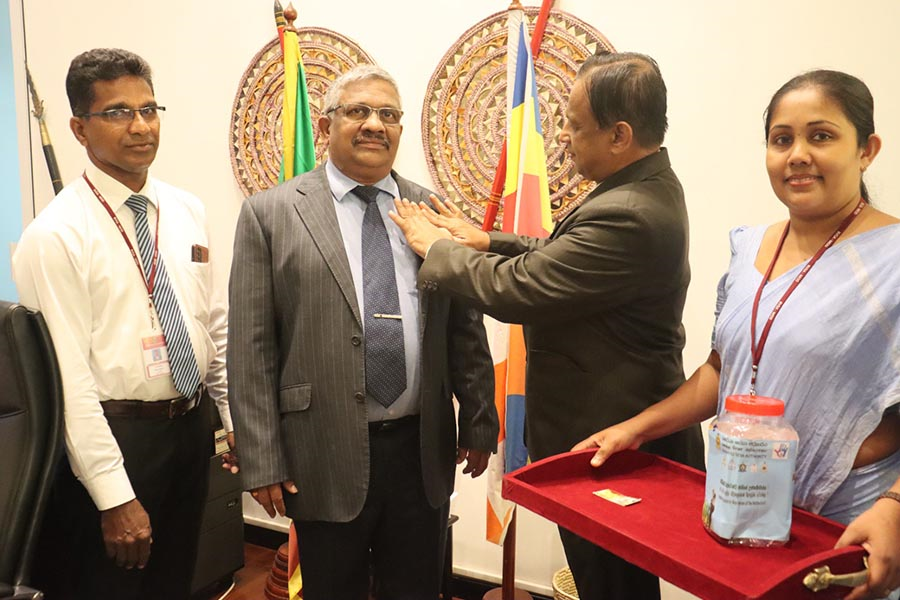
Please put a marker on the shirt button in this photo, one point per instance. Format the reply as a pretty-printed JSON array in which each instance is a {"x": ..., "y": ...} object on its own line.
[
  {"x": 356, "y": 340},
  {"x": 360, "y": 396}
]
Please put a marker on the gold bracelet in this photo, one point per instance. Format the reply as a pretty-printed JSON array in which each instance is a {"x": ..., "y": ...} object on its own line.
[{"x": 891, "y": 495}]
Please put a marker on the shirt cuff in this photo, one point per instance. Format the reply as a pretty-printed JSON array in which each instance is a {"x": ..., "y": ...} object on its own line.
[
  {"x": 109, "y": 490},
  {"x": 225, "y": 415}
]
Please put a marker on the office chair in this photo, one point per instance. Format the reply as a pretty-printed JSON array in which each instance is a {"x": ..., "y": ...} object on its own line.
[{"x": 30, "y": 440}]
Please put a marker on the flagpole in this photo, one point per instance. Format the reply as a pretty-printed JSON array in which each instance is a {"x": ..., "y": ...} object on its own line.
[
  {"x": 280, "y": 22},
  {"x": 508, "y": 589}
]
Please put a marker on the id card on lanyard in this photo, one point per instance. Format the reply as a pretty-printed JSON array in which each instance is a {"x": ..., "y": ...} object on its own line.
[{"x": 154, "y": 351}]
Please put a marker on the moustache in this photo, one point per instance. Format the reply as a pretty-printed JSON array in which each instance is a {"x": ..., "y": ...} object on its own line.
[{"x": 371, "y": 138}]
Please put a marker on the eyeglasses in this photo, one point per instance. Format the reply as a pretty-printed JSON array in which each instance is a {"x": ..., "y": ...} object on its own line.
[
  {"x": 361, "y": 112},
  {"x": 121, "y": 116}
]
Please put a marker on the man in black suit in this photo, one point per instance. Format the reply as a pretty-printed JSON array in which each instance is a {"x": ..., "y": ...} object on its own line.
[
  {"x": 373, "y": 469},
  {"x": 601, "y": 300}
]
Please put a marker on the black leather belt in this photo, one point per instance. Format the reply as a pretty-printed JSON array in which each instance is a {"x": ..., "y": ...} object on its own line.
[
  {"x": 393, "y": 424},
  {"x": 141, "y": 409}
]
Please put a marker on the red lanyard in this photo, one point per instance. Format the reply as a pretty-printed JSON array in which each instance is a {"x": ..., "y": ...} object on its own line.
[
  {"x": 757, "y": 348},
  {"x": 150, "y": 280}
]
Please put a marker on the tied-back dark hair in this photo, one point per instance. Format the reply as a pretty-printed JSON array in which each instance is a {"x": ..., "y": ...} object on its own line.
[
  {"x": 849, "y": 93},
  {"x": 101, "y": 64},
  {"x": 627, "y": 86}
]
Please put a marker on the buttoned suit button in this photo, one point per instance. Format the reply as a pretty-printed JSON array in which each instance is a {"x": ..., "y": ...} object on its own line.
[
  {"x": 356, "y": 340},
  {"x": 360, "y": 396}
]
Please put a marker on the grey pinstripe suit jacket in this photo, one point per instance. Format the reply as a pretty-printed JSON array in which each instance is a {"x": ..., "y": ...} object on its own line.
[{"x": 296, "y": 372}]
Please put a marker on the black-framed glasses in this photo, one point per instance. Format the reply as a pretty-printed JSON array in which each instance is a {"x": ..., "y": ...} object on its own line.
[
  {"x": 361, "y": 112},
  {"x": 150, "y": 114}
]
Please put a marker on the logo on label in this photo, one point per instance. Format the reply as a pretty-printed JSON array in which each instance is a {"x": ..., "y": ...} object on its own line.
[{"x": 780, "y": 450}]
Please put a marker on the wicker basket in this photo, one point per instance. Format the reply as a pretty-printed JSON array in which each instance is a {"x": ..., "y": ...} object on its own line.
[{"x": 564, "y": 585}]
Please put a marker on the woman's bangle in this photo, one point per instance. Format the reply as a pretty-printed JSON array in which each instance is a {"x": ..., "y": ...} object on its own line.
[{"x": 892, "y": 495}]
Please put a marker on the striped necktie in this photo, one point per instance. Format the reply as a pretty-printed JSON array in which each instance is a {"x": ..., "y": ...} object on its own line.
[
  {"x": 385, "y": 356},
  {"x": 185, "y": 373}
]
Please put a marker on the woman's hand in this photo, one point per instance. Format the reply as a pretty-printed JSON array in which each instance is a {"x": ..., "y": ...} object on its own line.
[
  {"x": 609, "y": 441},
  {"x": 878, "y": 531}
]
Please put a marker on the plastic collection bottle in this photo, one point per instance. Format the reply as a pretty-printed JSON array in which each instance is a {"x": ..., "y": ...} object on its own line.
[{"x": 749, "y": 477}]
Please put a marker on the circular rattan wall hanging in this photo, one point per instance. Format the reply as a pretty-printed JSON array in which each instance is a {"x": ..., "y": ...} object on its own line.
[
  {"x": 255, "y": 138},
  {"x": 464, "y": 116}
]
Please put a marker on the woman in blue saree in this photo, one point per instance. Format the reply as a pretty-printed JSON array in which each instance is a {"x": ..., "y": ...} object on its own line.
[{"x": 809, "y": 312}]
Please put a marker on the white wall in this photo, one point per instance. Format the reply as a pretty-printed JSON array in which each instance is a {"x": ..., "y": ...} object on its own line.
[{"x": 721, "y": 61}]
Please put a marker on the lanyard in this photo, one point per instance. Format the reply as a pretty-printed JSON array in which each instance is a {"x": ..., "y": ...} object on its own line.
[
  {"x": 757, "y": 348},
  {"x": 150, "y": 279}
]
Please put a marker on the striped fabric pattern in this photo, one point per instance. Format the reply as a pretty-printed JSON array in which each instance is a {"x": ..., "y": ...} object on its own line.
[{"x": 185, "y": 373}]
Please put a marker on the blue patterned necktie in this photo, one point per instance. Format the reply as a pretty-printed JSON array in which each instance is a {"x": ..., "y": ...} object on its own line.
[
  {"x": 385, "y": 356},
  {"x": 185, "y": 373}
]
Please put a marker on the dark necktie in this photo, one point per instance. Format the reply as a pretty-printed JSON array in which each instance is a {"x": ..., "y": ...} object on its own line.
[
  {"x": 178, "y": 343},
  {"x": 385, "y": 356}
]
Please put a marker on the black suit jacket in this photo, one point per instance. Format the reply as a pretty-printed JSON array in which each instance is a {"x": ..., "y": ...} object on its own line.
[{"x": 601, "y": 301}]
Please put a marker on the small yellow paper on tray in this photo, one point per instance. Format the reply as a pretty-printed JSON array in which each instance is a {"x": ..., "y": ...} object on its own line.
[{"x": 616, "y": 498}]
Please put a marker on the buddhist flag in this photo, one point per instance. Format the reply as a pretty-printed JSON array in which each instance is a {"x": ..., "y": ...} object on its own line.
[
  {"x": 526, "y": 211},
  {"x": 299, "y": 150},
  {"x": 526, "y": 195}
]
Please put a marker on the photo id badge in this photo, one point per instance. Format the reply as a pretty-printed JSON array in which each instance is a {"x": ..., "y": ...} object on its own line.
[{"x": 156, "y": 355}]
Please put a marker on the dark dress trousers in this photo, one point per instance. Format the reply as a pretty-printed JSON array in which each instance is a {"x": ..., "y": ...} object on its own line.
[{"x": 601, "y": 301}]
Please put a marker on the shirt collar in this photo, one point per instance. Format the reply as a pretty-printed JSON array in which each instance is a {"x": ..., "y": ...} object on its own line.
[
  {"x": 341, "y": 185},
  {"x": 114, "y": 192}
]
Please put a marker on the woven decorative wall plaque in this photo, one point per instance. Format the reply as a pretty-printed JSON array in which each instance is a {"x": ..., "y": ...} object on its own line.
[
  {"x": 255, "y": 136},
  {"x": 464, "y": 116}
]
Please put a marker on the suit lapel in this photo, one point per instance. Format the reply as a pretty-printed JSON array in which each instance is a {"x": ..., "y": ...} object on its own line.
[
  {"x": 315, "y": 207},
  {"x": 409, "y": 192}
]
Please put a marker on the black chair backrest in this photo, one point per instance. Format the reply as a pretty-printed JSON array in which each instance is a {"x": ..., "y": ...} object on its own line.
[{"x": 30, "y": 434}]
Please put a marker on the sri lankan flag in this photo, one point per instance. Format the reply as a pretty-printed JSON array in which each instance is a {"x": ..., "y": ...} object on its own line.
[{"x": 299, "y": 150}]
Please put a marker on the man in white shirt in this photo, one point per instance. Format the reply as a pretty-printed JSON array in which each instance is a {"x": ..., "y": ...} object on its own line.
[{"x": 118, "y": 265}]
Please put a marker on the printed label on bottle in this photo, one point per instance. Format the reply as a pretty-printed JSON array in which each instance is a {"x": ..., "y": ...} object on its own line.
[{"x": 749, "y": 487}]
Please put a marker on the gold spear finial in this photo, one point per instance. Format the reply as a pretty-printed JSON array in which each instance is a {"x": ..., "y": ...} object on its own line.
[{"x": 38, "y": 111}]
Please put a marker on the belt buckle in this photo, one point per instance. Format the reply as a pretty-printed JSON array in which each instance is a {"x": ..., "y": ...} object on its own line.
[{"x": 186, "y": 404}]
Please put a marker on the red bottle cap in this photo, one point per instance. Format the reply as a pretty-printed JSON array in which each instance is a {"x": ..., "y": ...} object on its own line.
[{"x": 754, "y": 405}]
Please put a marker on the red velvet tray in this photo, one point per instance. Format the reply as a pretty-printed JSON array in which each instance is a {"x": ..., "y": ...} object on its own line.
[{"x": 663, "y": 532}]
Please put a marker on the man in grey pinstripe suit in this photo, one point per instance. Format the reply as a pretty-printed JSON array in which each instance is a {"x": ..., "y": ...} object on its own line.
[{"x": 372, "y": 481}]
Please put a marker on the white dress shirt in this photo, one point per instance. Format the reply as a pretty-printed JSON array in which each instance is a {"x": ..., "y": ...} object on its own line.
[{"x": 73, "y": 265}]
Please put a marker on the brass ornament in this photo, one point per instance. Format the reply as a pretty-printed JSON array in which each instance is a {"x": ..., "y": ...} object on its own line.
[
  {"x": 464, "y": 115},
  {"x": 255, "y": 133}
]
